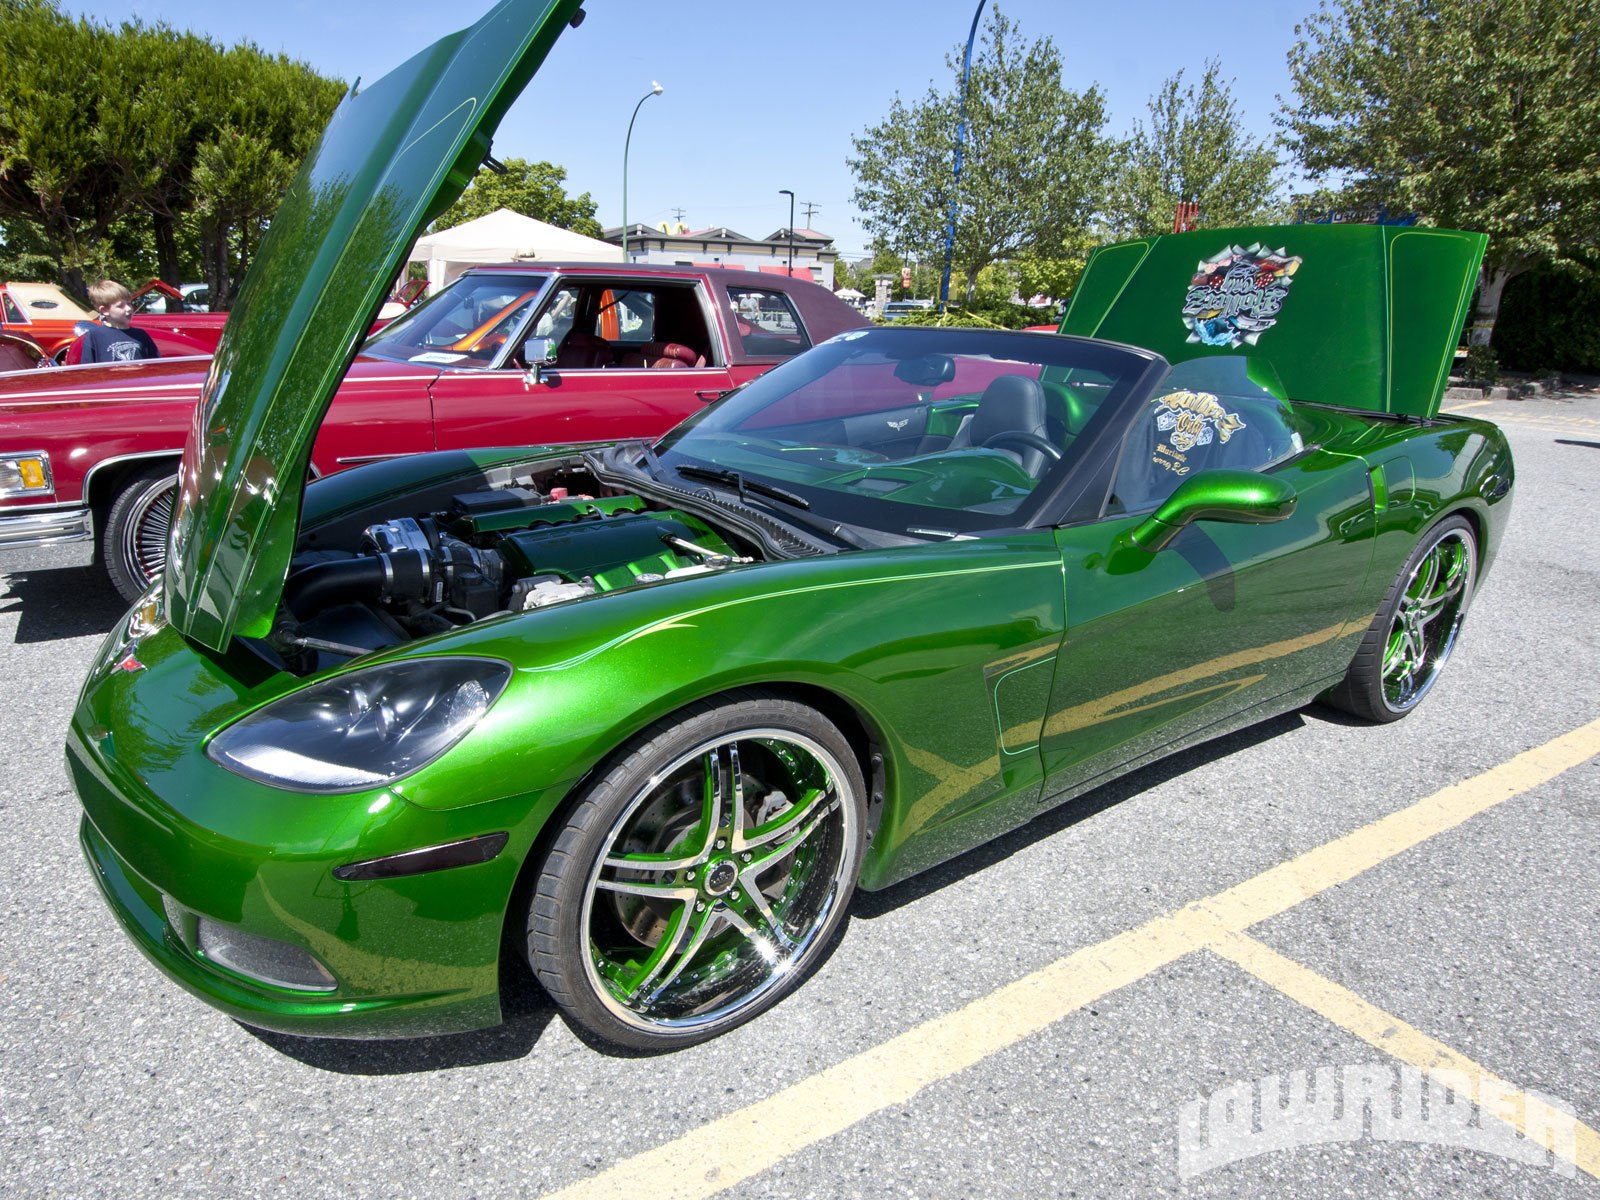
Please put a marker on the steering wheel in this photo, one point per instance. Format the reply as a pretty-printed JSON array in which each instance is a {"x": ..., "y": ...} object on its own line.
[{"x": 1022, "y": 438}]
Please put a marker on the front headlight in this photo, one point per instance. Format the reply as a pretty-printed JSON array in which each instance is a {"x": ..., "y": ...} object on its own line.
[
  {"x": 26, "y": 475},
  {"x": 364, "y": 729}
]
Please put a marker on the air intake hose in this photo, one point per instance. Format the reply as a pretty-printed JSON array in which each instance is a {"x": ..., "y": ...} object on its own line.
[{"x": 401, "y": 575}]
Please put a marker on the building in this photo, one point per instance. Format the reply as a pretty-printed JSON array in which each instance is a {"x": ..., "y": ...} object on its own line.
[{"x": 719, "y": 246}]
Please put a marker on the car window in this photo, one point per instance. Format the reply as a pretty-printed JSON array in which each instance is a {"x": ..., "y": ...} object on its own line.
[
  {"x": 628, "y": 317},
  {"x": 603, "y": 325},
  {"x": 896, "y": 429},
  {"x": 555, "y": 322},
  {"x": 1212, "y": 413},
  {"x": 465, "y": 325},
  {"x": 13, "y": 313},
  {"x": 767, "y": 323}
]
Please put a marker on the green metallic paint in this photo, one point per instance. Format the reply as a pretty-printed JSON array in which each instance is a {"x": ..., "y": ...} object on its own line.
[
  {"x": 1245, "y": 497},
  {"x": 993, "y": 676},
  {"x": 391, "y": 159},
  {"x": 1325, "y": 343}
]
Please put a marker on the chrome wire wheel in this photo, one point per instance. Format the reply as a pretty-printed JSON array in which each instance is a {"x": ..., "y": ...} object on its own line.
[
  {"x": 142, "y": 546},
  {"x": 720, "y": 880},
  {"x": 1427, "y": 620}
]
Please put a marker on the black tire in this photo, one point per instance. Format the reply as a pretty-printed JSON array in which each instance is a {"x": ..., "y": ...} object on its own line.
[
  {"x": 1363, "y": 691},
  {"x": 568, "y": 908},
  {"x": 133, "y": 540}
]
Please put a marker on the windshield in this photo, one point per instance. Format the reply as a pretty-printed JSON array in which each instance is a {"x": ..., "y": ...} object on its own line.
[
  {"x": 465, "y": 325},
  {"x": 913, "y": 431}
]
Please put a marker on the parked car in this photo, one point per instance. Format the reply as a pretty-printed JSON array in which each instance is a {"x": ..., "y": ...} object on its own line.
[
  {"x": 45, "y": 313},
  {"x": 19, "y": 352},
  {"x": 622, "y": 351},
  {"x": 648, "y": 714},
  {"x": 158, "y": 296}
]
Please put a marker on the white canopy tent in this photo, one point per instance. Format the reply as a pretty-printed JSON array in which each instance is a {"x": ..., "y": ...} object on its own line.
[{"x": 504, "y": 236}]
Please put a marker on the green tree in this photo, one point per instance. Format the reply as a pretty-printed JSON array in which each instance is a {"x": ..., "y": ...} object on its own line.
[
  {"x": 1475, "y": 114},
  {"x": 1194, "y": 148},
  {"x": 56, "y": 177},
  {"x": 139, "y": 148},
  {"x": 1035, "y": 161},
  {"x": 268, "y": 112},
  {"x": 534, "y": 189}
]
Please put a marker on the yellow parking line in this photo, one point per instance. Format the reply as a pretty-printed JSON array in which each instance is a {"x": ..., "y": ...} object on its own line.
[
  {"x": 1455, "y": 408},
  {"x": 1528, "y": 1115},
  {"x": 744, "y": 1143}
]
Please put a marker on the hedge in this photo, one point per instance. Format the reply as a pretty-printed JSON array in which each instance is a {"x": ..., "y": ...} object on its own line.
[{"x": 1550, "y": 319}]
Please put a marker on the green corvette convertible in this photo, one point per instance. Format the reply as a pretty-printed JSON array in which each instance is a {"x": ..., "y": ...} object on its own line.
[{"x": 645, "y": 715}]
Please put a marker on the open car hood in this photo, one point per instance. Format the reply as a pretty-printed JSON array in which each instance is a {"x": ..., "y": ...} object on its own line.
[
  {"x": 1358, "y": 316},
  {"x": 392, "y": 158}
]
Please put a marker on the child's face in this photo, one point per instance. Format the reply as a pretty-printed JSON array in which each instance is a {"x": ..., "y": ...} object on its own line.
[{"x": 118, "y": 314}]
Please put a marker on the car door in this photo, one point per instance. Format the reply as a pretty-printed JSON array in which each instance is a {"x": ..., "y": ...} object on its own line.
[
  {"x": 381, "y": 410},
  {"x": 625, "y": 396},
  {"x": 1227, "y": 618}
]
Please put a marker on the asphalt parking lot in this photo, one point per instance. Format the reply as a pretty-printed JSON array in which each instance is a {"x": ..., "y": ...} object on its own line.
[{"x": 1081, "y": 1009}]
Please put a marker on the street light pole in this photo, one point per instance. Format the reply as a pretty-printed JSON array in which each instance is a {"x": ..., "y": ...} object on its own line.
[
  {"x": 788, "y": 193},
  {"x": 961, "y": 143},
  {"x": 655, "y": 90}
]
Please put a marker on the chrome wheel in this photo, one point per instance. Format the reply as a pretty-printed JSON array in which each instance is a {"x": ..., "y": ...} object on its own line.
[
  {"x": 1427, "y": 620},
  {"x": 721, "y": 877},
  {"x": 142, "y": 546}
]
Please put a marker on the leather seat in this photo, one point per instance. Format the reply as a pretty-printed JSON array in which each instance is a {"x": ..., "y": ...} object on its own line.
[
  {"x": 1010, "y": 404},
  {"x": 580, "y": 351}
]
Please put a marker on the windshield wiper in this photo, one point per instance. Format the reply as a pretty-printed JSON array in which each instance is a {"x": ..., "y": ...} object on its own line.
[{"x": 743, "y": 485}]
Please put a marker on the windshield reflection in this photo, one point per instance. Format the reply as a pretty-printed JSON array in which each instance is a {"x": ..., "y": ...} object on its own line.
[
  {"x": 891, "y": 429},
  {"x": 467, "y": 324}
]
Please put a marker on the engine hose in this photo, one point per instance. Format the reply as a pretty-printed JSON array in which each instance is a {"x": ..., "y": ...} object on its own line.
[{"x": 403, "y": 574}]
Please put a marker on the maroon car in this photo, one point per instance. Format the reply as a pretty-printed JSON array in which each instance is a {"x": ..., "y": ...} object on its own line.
[{"x": 525, "y": 354}]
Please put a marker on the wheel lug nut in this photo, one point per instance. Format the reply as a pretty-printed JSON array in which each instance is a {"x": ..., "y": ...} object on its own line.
[
  {"x": 734, "y": 894},
  {"x": 689, "y": 875},
  {"x": 699, "y": 906},
  {"x": 721, "y": 845},
  {"x": 745, "y": 857}
]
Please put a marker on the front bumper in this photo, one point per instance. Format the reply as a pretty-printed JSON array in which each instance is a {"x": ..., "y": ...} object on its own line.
[
  {"x": 44, "y": 527},
  {"x": 165, "y": 831}
]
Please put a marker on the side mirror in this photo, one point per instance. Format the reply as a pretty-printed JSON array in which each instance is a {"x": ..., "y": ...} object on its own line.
[
  {"x": 538, "y": 353},
  {"x": 1243, "y": 497}
]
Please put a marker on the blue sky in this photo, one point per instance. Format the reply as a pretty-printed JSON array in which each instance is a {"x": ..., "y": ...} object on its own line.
[{"x": 758, "y": 96}]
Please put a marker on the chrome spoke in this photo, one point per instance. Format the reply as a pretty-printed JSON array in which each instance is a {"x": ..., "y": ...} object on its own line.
[
  {"x": 767, "y": 942},
  {"x": 736, "y": 791},
  {"x": 703, "y": 922},
  {"x": 782, "y": 826},
  {"x": 711, "y": 810},
  {"x": 680, "y": 932},
  {"x": 654, "y": 891},
  {"x": 654, "y": 863},
  {"x": 784, "y": 849},
  {"x": 1427, "y": 619},
  {"x": 1424, "y": 584},
  {"x": 759, "y": 899}
]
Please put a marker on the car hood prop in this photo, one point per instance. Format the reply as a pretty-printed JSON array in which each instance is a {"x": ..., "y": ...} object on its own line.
[{"x": 393, "y": 157}]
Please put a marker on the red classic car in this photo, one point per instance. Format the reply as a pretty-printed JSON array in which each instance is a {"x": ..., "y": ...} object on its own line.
[
  {"x": 45, "y": 313},
  {"x": 525, "y": 354}
]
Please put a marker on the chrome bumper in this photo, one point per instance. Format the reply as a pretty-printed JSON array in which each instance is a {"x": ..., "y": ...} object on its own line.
[{"x": 44, "y": 527}]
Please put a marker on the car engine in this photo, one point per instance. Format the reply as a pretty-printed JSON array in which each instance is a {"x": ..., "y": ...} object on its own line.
[{"x": 491, "y": 552}]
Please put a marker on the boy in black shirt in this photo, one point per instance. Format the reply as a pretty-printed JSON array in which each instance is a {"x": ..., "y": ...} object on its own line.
[{"x": 115, "y": 340}]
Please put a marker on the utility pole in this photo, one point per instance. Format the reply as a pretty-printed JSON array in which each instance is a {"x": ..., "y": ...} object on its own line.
[
  {"x": 790, "y": 194},
  {"x": 677, "y": 215},
  {"x": 810, "y": 207}
]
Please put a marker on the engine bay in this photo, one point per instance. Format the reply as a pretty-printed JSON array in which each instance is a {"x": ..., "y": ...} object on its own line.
[{"x": 522, "y": 543}]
